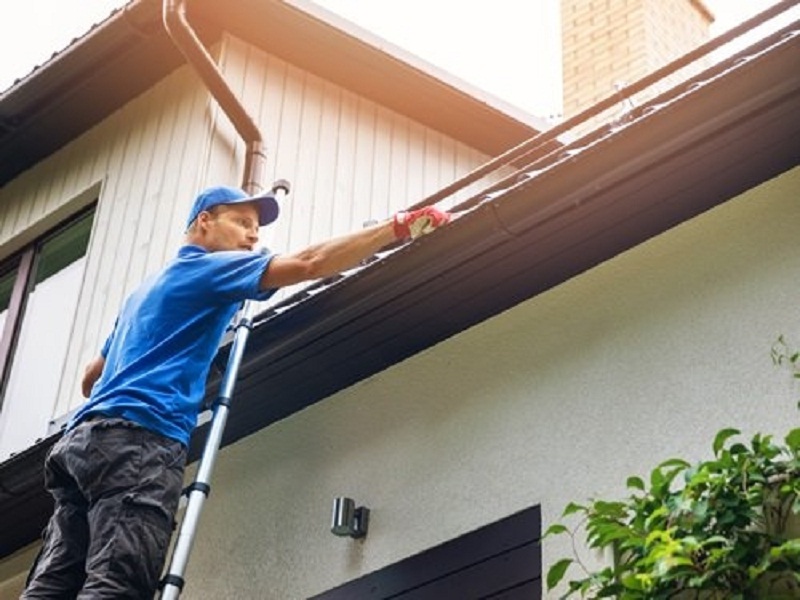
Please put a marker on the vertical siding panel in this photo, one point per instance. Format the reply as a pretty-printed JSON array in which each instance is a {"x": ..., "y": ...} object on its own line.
[
  {"x": 144, "y": 195},
  {"x": 352, "y": 213},
  {"x": 330, "y": 212},
  {"x": 220, "y": 150},
  {"x": 181, "y": 167},
  {"x": 171, "y": 150},
  {"x": 11, "y": 202},
  {"x": 126, "y": 202},
  {"x": 287, "y": 154},
  {"x": 447, "y": 169},
  {"x": 67, "y": 166},
  {"x": 50, "y": 188},
  {"x": 254, "y": 75},
  {"x": 182, "y": 179},
  {"x": 86, "y": 154},
  {"x": 271, "y": 119},
  {"x": 415, "y": 173},
  {"x": 348, "y": 160},
  {"x": 309, "y": 139},
  {"x": 167, "y": 142},
  {"x": 364, "y": 153},
  {"x": 432, "y": 162},
  {"x": 398, "y": 166},
  {"x": 45, "y": 198},
  {"x": 34, "y": 196},
  {"x": 26, "y": 197},
  {"x": 463, "y": 165},
  {"x": 107, "y": 223},
  {"x": 8, "y": 209},
  {"x": 381, "y": 161}
]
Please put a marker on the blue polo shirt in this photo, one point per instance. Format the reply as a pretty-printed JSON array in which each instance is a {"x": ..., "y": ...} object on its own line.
[{"x": 166, "y": 336}]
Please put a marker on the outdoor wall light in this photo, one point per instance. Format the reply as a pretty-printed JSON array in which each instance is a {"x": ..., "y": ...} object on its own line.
[{"x": 347, "y": 520}]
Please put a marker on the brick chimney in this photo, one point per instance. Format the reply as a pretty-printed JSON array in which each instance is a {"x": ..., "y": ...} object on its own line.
[{"x": 612, "y": 42}]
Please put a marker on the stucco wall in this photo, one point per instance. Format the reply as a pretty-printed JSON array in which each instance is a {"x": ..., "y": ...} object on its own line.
[{"x": 643, "y": 358}]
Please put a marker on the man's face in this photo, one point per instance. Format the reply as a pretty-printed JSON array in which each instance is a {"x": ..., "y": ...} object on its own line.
[{"x": 230, "y": 227}]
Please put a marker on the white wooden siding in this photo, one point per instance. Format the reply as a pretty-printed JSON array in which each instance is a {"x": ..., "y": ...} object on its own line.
[{"x": 348, "y": 159}]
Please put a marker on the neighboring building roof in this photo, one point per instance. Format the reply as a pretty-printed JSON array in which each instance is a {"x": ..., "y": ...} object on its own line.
[
  {"x": 126, "y": 54},
  {"x": 692, "y": 148}
]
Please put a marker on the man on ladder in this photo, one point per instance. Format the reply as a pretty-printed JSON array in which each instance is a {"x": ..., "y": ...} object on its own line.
[{"x": 116, "y": 474}]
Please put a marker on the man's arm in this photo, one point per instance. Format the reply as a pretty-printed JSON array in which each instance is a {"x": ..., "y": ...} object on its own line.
[
  {"x": 92, "y": 373},
  {"x": 345, "y": 252}
]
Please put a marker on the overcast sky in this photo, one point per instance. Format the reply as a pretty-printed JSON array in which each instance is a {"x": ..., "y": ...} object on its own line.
[{"x": 520, "y": 36}]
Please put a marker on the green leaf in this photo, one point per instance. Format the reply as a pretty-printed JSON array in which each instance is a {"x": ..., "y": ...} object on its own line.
[
  {"x": 656, "y": 478},
  {"x": 738, "y": 449},
  {"x": 715, "y": 540},
  {"x": 793, "y": 439},
  {"x": 556, "y": 572},
  {"x": 635, "y": 483},
  {"x": 674, "y": 462},
  {"x": 721, "y": 438},
  {"x": 555, "y": 529},
  {"x": 572, "y": 508}
]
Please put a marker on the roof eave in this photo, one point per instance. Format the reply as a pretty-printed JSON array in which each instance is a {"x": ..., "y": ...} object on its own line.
[
  {"x": 727, "y": 136},
  {"x": 130, "y": 51}
]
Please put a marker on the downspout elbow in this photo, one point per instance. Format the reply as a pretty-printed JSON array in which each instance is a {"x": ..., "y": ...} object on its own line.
[{"x": 192, "y": 49}]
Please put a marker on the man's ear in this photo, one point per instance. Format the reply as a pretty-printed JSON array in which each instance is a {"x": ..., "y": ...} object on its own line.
[{"x": 203, "y": 219}]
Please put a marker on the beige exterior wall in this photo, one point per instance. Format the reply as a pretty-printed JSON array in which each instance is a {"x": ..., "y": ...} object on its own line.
[
  {"x": 348, "y": 159},
  {"x": 561, "y": 398}
]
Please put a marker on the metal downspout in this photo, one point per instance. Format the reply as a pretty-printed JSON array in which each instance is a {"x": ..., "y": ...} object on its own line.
[{"x": 182, "y": 35}]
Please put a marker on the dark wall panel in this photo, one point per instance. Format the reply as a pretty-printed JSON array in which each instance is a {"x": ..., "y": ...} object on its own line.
[{"x": 501, "y": 560}]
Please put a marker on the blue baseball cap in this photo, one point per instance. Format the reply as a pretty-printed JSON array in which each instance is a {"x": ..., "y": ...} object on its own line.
[{"x": 222, "y": 194}]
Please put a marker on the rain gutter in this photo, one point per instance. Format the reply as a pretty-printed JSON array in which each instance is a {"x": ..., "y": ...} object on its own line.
[
  {"x": 558, "y": 216},
  {"x": 542, "y": 146},
  {"x": 189, "y": 44}
]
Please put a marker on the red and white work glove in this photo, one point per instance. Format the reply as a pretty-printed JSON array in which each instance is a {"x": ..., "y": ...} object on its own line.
[{"x": 414, "y": 223}]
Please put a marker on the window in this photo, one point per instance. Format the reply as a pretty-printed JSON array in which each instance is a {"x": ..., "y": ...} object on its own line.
[{"x": 38, "y": 295}]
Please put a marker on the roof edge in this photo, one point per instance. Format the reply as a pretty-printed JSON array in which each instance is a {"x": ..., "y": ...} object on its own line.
[{"x": 425, "y": 68}]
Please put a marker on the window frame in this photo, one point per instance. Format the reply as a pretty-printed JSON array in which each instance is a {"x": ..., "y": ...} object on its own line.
[{"x": 25, "y": 262}]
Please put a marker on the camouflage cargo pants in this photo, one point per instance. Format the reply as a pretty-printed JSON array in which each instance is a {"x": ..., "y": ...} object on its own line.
[{"x": 116, "y": 487}]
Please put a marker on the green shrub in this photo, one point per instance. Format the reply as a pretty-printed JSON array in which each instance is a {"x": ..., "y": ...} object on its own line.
[{"x": 722, "y": 528}]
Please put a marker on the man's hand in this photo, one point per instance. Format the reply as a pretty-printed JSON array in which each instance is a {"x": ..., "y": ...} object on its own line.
[{"x": 415, "y": 223}]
